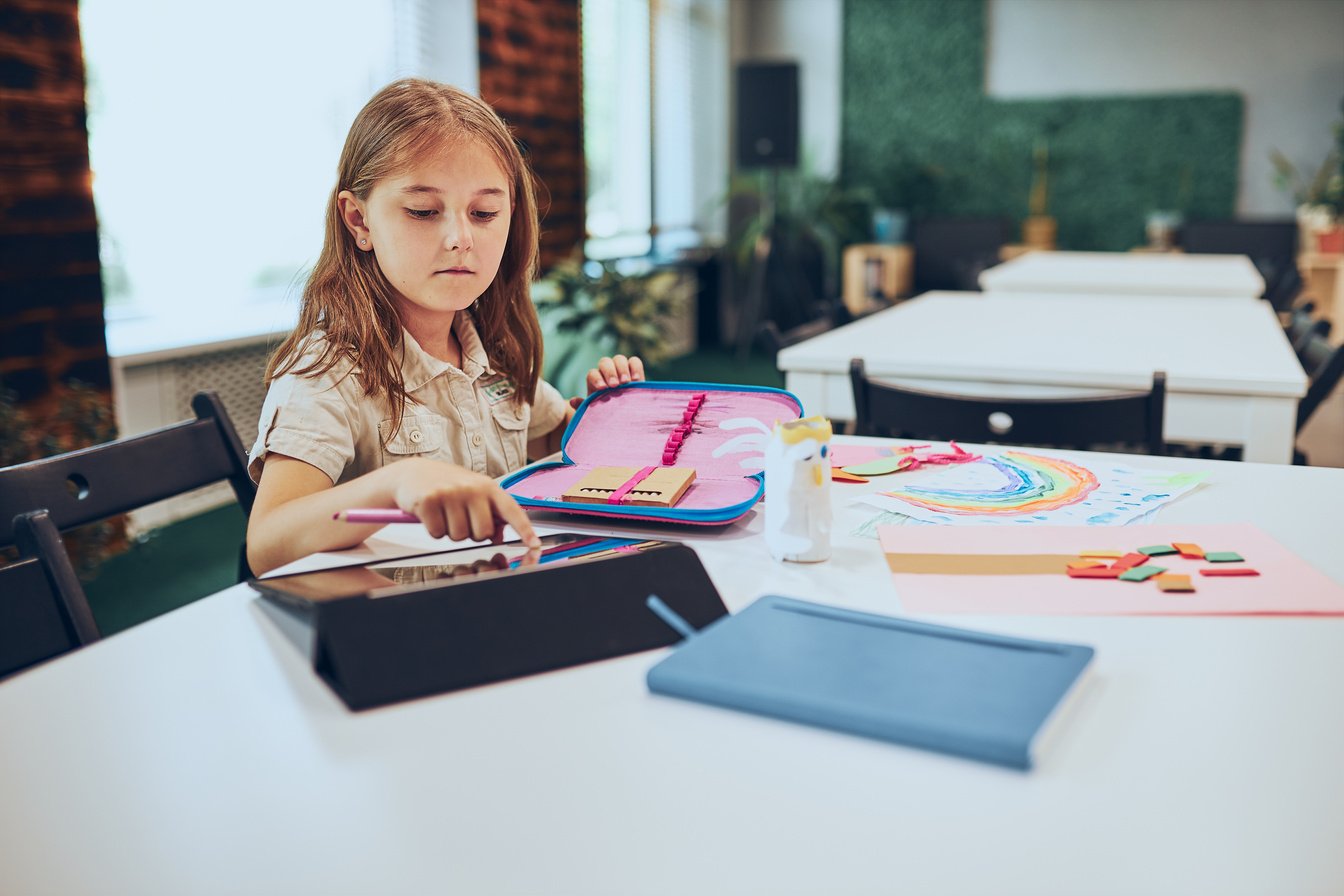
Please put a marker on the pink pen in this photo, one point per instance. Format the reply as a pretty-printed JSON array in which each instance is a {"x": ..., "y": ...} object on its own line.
[{"x": 375, "y": 515}]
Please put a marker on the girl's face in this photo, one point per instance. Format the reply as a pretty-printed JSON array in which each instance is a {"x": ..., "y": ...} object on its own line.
[{"x": 437, "y": 229}]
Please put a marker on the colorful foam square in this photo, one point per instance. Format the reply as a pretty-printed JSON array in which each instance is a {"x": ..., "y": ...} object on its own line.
[
  {"x": 1157, "y": 550},
  {"x": 1188, "y": 550},
  {"x": 1129, "y": 561},
  {"x": 1229, "y": 571},
  {"x": 1172, "y": 582},
  {"x": 1095, "y": 572},
  {"x": 1223, "y": 557},
  {"x": 1141, "y": 573},
  {"x": 1085, "y": 564},
  {"x": 1102, "y": 554}
]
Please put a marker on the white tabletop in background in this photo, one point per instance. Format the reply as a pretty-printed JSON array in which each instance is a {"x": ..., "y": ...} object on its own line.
[
  {"x": 198, "y": 753},
  {"x": 1127, "y": 273},
  {"x": 1105, "y": 342}
]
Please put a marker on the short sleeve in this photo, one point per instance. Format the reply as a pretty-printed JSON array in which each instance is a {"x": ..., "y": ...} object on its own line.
[
  {"x": 548, "y": 410},
  {"x": 307, "y": 418}
]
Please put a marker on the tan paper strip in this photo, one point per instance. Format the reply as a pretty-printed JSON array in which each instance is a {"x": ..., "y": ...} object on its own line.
[{"x": 980, "y": 564}]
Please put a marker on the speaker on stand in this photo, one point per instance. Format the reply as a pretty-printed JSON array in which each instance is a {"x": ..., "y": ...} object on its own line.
[{"x": 767, "y": 139}]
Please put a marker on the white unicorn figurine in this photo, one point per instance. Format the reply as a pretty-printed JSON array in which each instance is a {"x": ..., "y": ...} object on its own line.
[{"x": 797, "y": 490}]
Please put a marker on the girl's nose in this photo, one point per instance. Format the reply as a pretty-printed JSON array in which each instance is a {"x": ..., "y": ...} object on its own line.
[{"x": 458, "y": 235}]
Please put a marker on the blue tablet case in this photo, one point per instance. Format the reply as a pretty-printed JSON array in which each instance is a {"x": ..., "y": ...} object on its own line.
[{"x": 972, "y": 694}]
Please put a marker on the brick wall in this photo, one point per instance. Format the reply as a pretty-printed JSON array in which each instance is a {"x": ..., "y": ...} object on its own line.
[
  {"x": 530, "y": 71},
  {"x": 51, "y": 298}
]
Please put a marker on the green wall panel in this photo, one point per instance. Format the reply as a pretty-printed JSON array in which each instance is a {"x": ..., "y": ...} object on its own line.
[{"x": 917, "y": 128}]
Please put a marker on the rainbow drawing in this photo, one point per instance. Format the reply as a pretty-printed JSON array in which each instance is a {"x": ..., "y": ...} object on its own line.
[{"x": 1030, "y": 484}]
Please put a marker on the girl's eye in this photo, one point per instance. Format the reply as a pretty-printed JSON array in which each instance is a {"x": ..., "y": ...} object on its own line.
[
  {"x": 485, "y": 216},
  {"x": 421, "y": 213}
]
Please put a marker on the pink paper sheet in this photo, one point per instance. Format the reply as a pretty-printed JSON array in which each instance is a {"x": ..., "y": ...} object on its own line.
[{"x": 1287, "y": 584}]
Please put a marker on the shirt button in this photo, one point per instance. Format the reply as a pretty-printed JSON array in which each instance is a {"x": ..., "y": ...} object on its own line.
[
  {"x": 476, "y": 439},
  {"x": 416, "y": 437}
]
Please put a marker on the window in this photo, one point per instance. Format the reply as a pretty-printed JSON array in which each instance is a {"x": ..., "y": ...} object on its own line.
[
  {"x": 214, "y": 132},
  {"x": 655, "y": 107}
]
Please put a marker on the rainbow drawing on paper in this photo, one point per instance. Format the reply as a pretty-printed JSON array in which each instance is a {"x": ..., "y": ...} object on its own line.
[{"x": 1030, "y": 484}]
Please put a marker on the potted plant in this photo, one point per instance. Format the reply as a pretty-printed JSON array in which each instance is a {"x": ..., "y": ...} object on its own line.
[
  {"x": 1319, "y": 199},
  {"x": 593, "y": 308}
]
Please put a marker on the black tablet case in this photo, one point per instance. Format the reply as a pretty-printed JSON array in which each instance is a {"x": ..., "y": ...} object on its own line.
[{"x": 374, "y": 651}]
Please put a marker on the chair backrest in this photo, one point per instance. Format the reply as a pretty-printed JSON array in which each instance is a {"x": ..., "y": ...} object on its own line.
[
  {"x": 43, "y": 610},
  {"x": 94, "y": 483},
  {"x": 1301, "y": 327},
  {"x": 951, "y": 252},
  {"x": 1270, "y": 244},
  {"x": 1131, "y": 418},
  {"x": 1324, "y": 364}
]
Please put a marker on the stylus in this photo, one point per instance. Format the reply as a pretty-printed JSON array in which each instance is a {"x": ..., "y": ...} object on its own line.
[{"x": 375, "y": 515}]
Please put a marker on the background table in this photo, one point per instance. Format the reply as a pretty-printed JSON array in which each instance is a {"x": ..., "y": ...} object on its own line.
[
  {"x": 198, "y": 753},
  {"x": 1126, "y": 273},
  {"x": 1232, "y": 377}
]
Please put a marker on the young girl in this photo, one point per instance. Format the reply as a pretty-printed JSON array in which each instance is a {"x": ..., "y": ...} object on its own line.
[{"x": 412, "y": 378}]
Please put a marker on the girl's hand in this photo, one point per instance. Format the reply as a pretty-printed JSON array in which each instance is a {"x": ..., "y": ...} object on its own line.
[
  {"x": 612, "y": 372},
  {"x": 457, "y": 502}
]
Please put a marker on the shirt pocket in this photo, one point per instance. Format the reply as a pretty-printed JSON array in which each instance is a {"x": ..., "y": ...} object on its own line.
[
  {"x": 511, "y": 427},
  {"x": 420, "y": 435}
]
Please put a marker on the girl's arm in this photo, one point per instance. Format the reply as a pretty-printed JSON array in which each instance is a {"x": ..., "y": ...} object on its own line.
[
  {"x": 609, "y": 373},
  {"x": 295, "y": 503}
]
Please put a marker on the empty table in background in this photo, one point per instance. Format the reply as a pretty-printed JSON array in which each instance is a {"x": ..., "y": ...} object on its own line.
[{"x": 1126, "y": 273}]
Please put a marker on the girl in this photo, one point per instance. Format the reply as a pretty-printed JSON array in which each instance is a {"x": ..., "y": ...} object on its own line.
[{"x": 412, "y": 378}]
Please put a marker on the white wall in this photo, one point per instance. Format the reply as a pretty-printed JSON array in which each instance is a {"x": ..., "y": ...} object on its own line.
[{"x": 1285, "y": 57}]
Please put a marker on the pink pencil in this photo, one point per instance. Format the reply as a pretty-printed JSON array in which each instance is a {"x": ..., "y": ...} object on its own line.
[{"x": 375, "y": 515}]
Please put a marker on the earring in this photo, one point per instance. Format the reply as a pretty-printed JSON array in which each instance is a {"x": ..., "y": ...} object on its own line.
[{"x": 363, "y": 242}]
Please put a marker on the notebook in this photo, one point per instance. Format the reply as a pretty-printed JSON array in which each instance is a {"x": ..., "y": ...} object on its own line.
[{"x": 971, "y": 694}]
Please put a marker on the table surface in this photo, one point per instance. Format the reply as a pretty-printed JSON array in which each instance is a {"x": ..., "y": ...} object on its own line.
[
  {"x": 1127, "y": 273},
  {"x": 1105, "y": 342},
  {"x": 198, "y": 753}
]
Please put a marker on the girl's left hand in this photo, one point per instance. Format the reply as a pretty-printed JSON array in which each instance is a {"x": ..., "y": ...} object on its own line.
[{"x": 612, "y": 372}]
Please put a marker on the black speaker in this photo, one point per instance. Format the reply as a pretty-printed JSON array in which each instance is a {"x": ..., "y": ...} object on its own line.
[{"x": 767, "y": 114}]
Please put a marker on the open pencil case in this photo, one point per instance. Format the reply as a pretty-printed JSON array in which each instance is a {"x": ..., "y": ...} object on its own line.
[{"x": 719, "y": 431}]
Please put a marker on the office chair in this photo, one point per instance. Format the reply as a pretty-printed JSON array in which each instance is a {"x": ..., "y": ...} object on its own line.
[
  {"x": 1131, "y": 418},
  {"x": 951, "y": 252},
  {"x": 1270, "y": 244},
  {"x": 1324, "y": 364},
  {"x": 101, "y": 481},
  {"x": 1301, "y": 327},
  {"x": 43, "y": 611}
]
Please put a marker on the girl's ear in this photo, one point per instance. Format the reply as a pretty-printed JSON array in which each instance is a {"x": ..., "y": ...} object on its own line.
[{"x": 352, "y": 216}]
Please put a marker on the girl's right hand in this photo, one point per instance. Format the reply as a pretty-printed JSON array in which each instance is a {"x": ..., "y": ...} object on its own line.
[{"x": 457, "y": 502}]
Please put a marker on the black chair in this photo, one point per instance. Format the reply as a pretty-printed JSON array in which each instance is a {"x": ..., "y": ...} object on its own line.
[
  {"x": 951, "y": 252},
  {"x": 1324, "y": 364},
  {"x": 1270, "y": 244},
  {"x": 102, "y": 481},
  {"x": 43, "y": 611},
  {"x": 1301, "y": 327},
  {"x": 1128, "y": 419}
]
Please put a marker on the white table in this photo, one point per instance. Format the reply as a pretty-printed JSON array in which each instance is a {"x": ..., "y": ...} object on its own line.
[
  {"x": 198, "y": 753},
  {"x": 1232, "y": 377},
  {"x": 1126, "y": 273}
]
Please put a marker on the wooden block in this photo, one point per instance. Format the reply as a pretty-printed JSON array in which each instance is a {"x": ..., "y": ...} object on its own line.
[
  {"x": 1229, "y": 571},
  {"x": 1131, "y": 560},
  {"x": 1223, "y": 557},
  {"x": 1158, "y": 550},
  {"x": 1095, "y": 572},
  {"x": 1141, "y": 573},
  {"x": 1172, "y": 582},
  {"x": 661, "y": 488},
  {"x": 1189, "y": 551}
]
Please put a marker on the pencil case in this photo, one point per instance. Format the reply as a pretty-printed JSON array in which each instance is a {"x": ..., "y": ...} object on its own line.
[{"x": 717, "y": 430}]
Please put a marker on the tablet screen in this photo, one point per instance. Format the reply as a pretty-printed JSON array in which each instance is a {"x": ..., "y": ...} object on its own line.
[{"x": 386, "y": 578}]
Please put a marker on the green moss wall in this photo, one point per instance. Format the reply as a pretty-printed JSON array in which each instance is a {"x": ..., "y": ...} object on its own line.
[{"x": 919, "y": 130}]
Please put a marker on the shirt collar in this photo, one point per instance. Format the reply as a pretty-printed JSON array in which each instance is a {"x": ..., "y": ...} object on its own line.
[{"x": 418, "y": 366}]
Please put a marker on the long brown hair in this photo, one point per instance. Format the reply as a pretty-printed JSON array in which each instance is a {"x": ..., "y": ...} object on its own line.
[{"x": 347, "y": 295}]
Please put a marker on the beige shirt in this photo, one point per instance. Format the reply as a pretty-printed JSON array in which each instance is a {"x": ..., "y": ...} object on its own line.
[{"x": 466, "y": 417}]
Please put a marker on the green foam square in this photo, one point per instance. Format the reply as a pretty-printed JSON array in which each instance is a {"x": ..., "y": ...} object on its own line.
[
  {"x": 1157, "y": 550},
  {"x": 1141, "y": 573},
  {"x": 1223, "y": 557}
]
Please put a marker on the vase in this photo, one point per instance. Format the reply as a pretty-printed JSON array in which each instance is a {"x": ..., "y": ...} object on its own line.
[{"x": 1331, "y": 241}]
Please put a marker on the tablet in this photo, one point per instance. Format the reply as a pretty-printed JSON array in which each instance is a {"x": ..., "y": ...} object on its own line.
[{"x": 387, "y": 578}]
